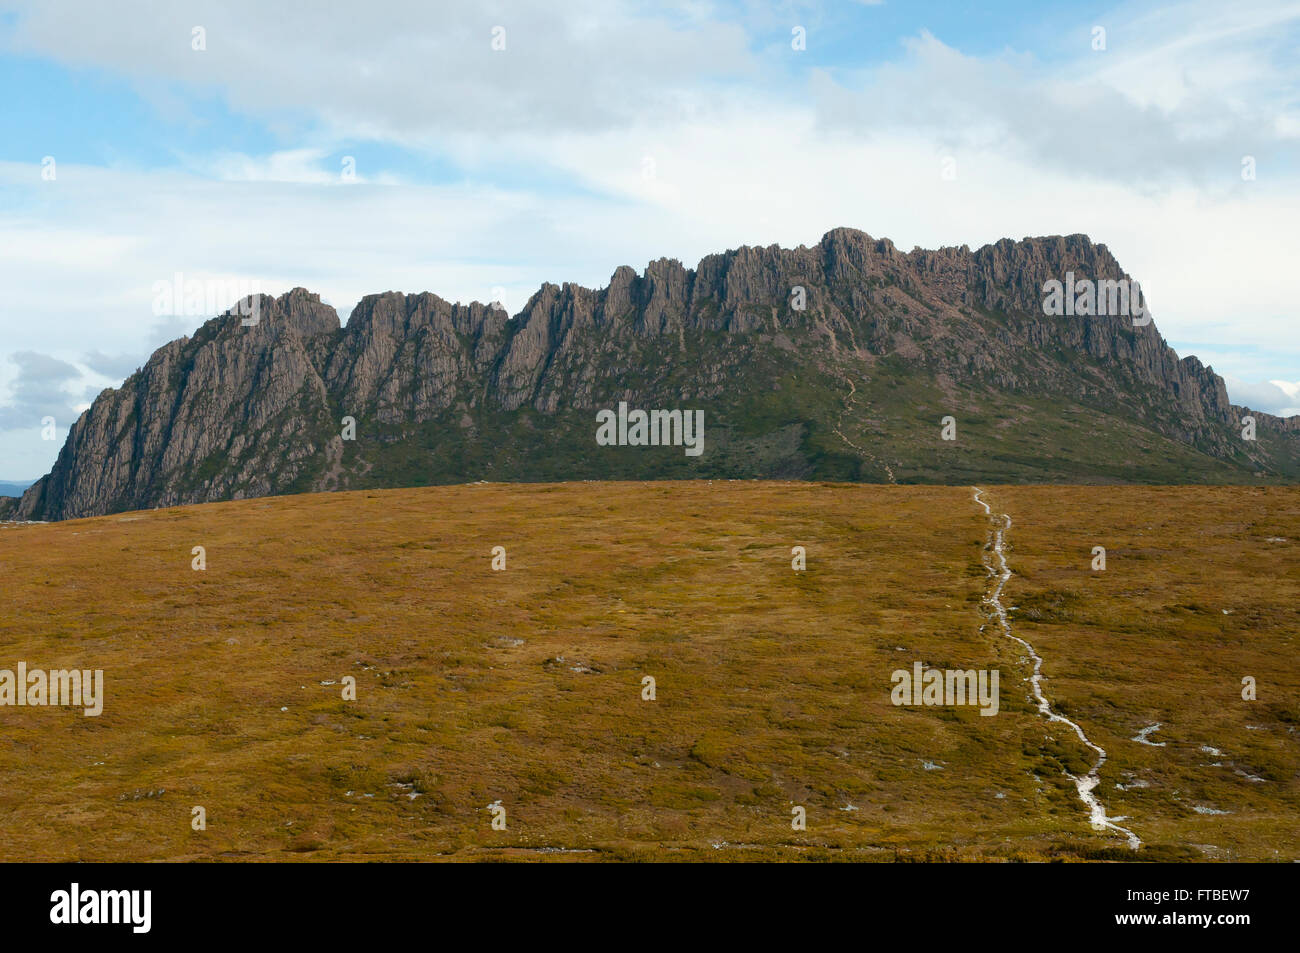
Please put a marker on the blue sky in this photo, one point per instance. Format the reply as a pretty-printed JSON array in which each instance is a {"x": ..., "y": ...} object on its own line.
[{"x": 609, "y": 133}]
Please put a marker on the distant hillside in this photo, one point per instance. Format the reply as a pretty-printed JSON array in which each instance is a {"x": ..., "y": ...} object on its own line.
[
  {"x": 853, "y": 385},
  {"x": 9, "y": 496}
]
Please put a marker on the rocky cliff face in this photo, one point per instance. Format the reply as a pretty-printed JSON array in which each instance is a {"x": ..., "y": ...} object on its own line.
[{"x": 850, "y": 386}]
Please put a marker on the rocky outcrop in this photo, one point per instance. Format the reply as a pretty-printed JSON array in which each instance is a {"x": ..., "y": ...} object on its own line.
[
  {"x": 218, "y": 416},
  {"x": 240, "y": 411}
]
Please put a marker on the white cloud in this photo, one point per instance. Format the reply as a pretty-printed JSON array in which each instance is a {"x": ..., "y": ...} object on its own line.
[
  {"x": 1290, "y": 388},
  {"x": 1171, "y": 55},
  {"x": 1138, "y": 147},
  {"x": 1281, "y": 398},
  {"x": 40, "y": 391},
  {"x": 295, "y": 166},
  {"x": 1110, "y": 123},
  {"x": 400, "y": 68}
]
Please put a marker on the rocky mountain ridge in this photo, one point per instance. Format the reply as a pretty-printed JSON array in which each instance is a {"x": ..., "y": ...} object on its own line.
[{"x": 851, "y": 385}]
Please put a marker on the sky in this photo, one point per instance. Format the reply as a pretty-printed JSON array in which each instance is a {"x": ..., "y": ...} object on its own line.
[{"x": 479, "y": 149}]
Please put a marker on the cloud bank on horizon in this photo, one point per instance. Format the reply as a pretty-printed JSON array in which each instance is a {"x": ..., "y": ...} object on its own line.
[{"x": 479, "y": 149}]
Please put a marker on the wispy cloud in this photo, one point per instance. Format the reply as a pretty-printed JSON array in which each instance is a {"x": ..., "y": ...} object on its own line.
[{"x": 1281, "y": 398}]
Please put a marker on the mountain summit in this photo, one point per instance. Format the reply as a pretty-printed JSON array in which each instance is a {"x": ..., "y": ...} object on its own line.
[{"x": 847, "y": 360}]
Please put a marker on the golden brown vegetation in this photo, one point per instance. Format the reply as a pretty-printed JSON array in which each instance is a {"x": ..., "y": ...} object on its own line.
[{"x": 524, "y": 686}]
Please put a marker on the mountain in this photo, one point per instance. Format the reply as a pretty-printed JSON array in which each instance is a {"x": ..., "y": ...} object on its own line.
[
  {"x": 10, "y": 492},
  {"x": 853, "y": 386}
]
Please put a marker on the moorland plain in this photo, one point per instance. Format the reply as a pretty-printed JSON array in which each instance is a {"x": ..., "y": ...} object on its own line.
[{"x": 224, "y": 687}]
